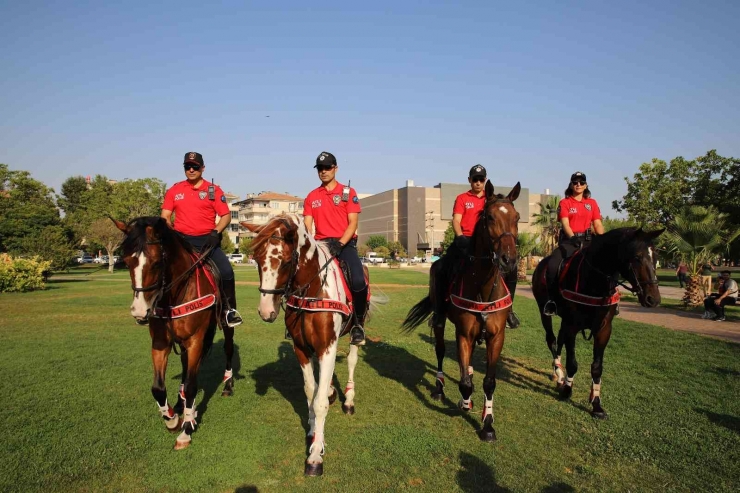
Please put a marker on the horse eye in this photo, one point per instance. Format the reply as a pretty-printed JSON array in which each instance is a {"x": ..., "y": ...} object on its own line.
[{"x": 491, "y": 218}]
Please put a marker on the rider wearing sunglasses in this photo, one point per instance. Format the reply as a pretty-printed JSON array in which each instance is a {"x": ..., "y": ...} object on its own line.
[
  {"x": 196, "y": 203},
  {"x": 465, "y": 214},
  {"x": 577, "y": 213},
  {"x": 334, "y": 210}
]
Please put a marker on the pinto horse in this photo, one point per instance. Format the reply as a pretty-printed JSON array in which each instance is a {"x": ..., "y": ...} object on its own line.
[
  {"x": 480, "y": 301},
  {"x": 179, "y": 301},
  {"x": 588, "y": 299},
  {"x": 297, "y": 270}
]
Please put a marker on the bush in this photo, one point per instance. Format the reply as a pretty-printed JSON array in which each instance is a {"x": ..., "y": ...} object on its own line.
[{"x": 22, "y": 274}]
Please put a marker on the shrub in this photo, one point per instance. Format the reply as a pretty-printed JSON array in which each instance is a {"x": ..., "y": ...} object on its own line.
[{"x": 22, "y": 274}]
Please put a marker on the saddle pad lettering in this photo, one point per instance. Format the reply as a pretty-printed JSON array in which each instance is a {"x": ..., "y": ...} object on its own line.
[
  {"x": 188, "y": 308},
  {"x": 319, "y": 305},
  {"x": 481, "y": 307}
]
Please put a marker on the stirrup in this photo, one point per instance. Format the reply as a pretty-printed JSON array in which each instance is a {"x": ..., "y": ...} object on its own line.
[
  {"x": 357, "y": 335},
  {"x": 233, "y": 318},
  {"x": 512, "y": 321},
  {"x": 550, "y": 308}
]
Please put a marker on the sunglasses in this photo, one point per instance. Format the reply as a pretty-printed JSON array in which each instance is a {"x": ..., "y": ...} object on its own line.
[
  {"x": 478, "y": 179},
  {"x": 194, "y": 167},
  {"x": 323, "y": 168},
  {"x": 578, "y": 182}
]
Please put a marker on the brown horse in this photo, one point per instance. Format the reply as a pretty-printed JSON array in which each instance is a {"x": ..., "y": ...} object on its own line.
[
  {"x": 480, "y": 301},
  {"x": 588, "y": 299},
  {"x": 295, "y": 269},
  {"x": 175, "y": 297}
]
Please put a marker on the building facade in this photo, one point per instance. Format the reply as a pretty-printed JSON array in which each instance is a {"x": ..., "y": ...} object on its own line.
[{"x": 260, "y": 208}]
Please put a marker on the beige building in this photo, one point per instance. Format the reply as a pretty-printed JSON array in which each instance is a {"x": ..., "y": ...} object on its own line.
[
  {"x": 233, "y": 228},
  {"x": 260, "y": 208},
  {"x": 418, "y": 216}
]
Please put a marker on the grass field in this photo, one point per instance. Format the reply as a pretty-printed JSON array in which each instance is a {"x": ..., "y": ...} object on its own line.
[{"x": 79, "y": 415}]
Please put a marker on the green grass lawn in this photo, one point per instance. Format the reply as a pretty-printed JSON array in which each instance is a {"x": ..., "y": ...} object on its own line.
[{"x": 78, "y": 413}]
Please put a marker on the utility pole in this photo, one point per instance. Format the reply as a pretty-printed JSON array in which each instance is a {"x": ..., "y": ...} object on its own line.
[{"x": 430, "y": 225}]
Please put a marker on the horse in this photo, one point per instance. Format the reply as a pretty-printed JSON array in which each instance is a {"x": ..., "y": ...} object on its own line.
[
  {"x": 588, "y": 299},
  {"x": 296, "y": 269},
  {"x": 480, "y": 301},
  {"x": 179, "y": 300}
]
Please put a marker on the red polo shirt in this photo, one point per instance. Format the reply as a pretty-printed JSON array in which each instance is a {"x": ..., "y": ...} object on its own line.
[
  {"x": 469, "y": 205},
  {"x": 580, "y": 214},
  {"x": 329, "y": 212},
  {"x": 195, "y": 213}
]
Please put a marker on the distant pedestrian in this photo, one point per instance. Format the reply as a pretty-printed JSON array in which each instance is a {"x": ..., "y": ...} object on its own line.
[
  {"x": 682, "y": 273},
  {"x": 706, "y": 278},
  {"x": 714, "y": 305}
]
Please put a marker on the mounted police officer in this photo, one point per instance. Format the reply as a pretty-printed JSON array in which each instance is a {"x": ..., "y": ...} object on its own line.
[
  {"x": 465, "y": 213},
  {"x": 577, "y": 212},
  {"x": 196, "y": 203},
  {"x": 333, "y": 209}
]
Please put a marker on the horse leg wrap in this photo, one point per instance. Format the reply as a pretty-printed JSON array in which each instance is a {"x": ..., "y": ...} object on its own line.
[
  {"x": 595, "y": 391},
  {"x": 350, "y": 386},
  {"x": 188, "y": 417},
  {"x": 569, "y": 381},
  {"x": 318, "y": 439},
  {"x": 182, "y": 391},
  {"x": 166, "y": 411},
  {"x": 487, "y": 409},
  {"x": 557, "y": 370},
  {"x": 466, "y": 404},
  {"x": 441, "y": 378},
  {"x": 228, "y": 374}
]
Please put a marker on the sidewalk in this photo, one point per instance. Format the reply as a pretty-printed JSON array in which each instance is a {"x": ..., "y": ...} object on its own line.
[{"x": 670, "y": 319}]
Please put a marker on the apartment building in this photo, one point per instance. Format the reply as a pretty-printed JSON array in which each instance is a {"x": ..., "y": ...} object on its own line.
[{"x": 260, "y": 208}]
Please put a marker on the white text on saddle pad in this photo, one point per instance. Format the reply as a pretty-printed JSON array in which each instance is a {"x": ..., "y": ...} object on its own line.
[{"x": 188, "y": 308}]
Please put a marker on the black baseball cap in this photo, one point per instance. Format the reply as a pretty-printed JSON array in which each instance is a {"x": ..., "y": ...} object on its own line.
[
  {"x": 477, "y": 170},
  {"x": 578, "y": 176},
  {"x": 326, "y": 159},
  {"x": 193, "y": 157}
]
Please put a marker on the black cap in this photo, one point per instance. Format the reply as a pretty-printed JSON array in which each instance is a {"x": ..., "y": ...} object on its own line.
[
  {"x": 193, "y": 157},
  {"x": 326, "y": 159},
  {"x": 477, "y": 170},
  {"x": 578, "y": 176}
]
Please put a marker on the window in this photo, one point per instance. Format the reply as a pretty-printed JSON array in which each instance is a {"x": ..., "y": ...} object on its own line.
[
  {"x": 234, "y": 227},
  {"x": 292, "y": 207},
  {"x": 234, "y": 214},
  {"x": 274, "y": 205}
]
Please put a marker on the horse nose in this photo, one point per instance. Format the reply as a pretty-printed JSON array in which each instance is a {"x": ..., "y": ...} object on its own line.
[{"x": 650, "y": 301}]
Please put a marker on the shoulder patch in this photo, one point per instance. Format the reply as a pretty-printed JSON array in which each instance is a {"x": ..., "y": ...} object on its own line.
[
  {"x": 355, "y": 200},
  {"x": 223, "y": 199}
]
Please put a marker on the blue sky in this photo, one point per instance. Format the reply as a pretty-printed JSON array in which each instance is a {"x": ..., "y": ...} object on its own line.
[{"x": 397, "y": 90}]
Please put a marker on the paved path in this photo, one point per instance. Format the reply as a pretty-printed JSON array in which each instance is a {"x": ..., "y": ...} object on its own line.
[{"x": 671, "y": 319}]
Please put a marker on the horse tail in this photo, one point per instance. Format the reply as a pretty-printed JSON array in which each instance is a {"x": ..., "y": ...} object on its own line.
[{"x": 418, "y": 313}]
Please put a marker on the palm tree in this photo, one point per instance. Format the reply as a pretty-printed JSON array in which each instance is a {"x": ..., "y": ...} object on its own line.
[
  {"x": 525, "y": 245},
  {"x": 696, "y": 236},
  {"x": 547, "y": 221}
]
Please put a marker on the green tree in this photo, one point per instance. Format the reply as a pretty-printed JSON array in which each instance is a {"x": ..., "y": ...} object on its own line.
[
  {"x": 448, "y": 238},
  {"x": 525, "y": 245},
  {"x": 382, "y": 252},
  {"x": 245, "y": 246},
  {"x": 52, "y": 244},
  {"x": 696, "y": 236},
  {"x": 105, "y": 233},
  {"x": 546, "y": 220},
  {"x": 614, "y": 223},
  {"x": 72, "y": 194},
  {"x": 376, "y": 241},
  {"x": 26, "y": 208},
  {"x": 362, "y": 250},
  {"x": 396, "y": 246},
  {"x": 227, "y": 245}
]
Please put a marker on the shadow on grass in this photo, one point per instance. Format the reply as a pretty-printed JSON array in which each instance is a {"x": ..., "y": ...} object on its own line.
[
  {"x": 284, "y": 375},
  {"x": 475, "y": 475},
  {"x": 732, "y": 423},
  {"x": 246, "y": 489},
  {"x": 726, "y": 371},
  {"x": 60, "y": 281},
  {"x": 558, "y": 488},
  {"x": 398, "y": 364}
]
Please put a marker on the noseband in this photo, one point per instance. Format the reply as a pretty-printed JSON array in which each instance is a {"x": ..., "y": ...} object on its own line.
[{"x": 493, "y": 240}]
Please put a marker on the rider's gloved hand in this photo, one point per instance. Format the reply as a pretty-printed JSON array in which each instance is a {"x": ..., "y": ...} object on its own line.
[
  {"x": 213, "y": 241},
  {"x": 462, "y": 242},
  {"x": 335, "y": 247}
]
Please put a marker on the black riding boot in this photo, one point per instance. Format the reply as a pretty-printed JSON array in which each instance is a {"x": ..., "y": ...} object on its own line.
[
  {"x": 512, "y": 321},
  {"x": 232, "y": 318},
  {"x": 359, "y": 302}
]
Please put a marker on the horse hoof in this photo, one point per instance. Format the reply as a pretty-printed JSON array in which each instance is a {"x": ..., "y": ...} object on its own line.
[
  {"x": 332, "y": 396},
  {"x": 348, "y": 409},
  {"x": 488, "y": 436},
  {"x": 173, "y": 425},
  {"x": 227, "y": 393},
  {"x": 438, "y": 396},
  {"x": 600, "y": 415},
  {"x": 314, "y": 469},
  {"x": 566, "y": 392},
  {"x": 181, "y": 445}
]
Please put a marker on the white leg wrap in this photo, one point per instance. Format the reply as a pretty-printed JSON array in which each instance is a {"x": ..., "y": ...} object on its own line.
[
  {"x": 318, "y": 440},
  {"x": 487, "y": 409},
  {"x": 188, "y": 416},
  {"x": 228, "y": 374},
  {"x": 441, "y": 378},
  {"x": 166, "y": 411},
  {"x": 350, "y": 386},
  {"x": 470, "y": 370},
  {"x": 595, "y": 391}
]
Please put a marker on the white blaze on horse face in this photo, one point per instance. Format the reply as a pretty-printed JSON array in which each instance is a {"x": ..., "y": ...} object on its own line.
[
  {"x": 270, "y": 303},
  {"x": 140, "y": 306},
  {"x": 503, "y": 209},
  {"x": 650, "y": 252}
]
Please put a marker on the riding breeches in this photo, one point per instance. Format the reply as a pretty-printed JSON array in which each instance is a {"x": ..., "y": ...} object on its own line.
[
  {"x": 352, "y": 259},
  {"x": 217, "y": 255}
]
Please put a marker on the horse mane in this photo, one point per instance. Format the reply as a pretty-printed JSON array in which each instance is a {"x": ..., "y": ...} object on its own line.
[
  {"x": 135, "y": 240},
  {"x": 612, "y": 238},
  {"x": 267, "y": 231}
]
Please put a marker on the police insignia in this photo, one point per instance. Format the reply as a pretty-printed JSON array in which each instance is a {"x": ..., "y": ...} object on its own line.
[
  {"x": 587, "y": 206},
  {"x": 355, "y": 200},
  {"x": 202, "y": 194},
  {"x": 336, "y": 199},
  {"x": 223, "y": 199}
]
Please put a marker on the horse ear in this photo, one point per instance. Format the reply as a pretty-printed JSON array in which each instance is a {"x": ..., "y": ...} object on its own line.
[
  {"x": 489, "y": 189},
  {"x": 651, "y": 235},
  {"x": 514, "y": 194},
  {"x": 254, "y": 228},
  {"x": 120, "y": 225}
]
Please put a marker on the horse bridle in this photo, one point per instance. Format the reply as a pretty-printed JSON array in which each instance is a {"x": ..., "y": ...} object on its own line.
[
  {"x": 637, "y": 290},
  {"x": 492, "y": 241},
  {"x": 293, "y": 265}
]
